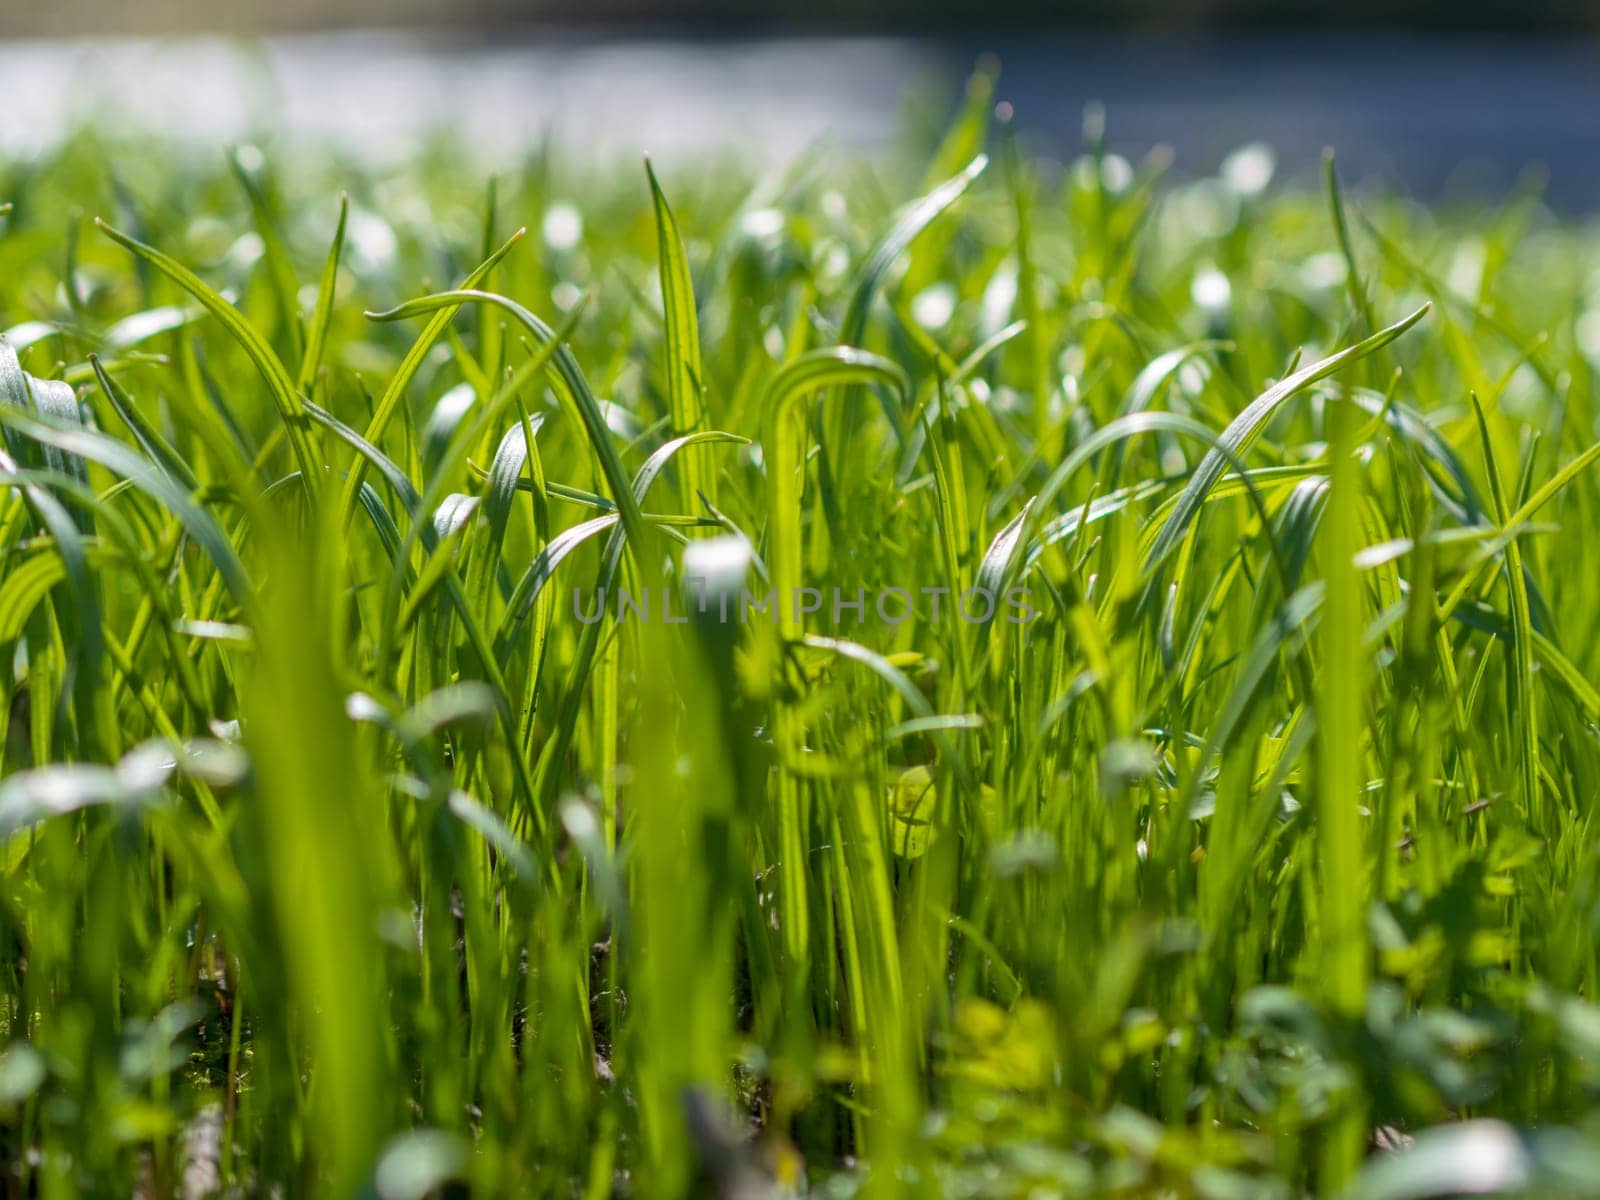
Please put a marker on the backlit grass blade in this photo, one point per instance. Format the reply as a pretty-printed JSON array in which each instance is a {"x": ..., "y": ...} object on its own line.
[
  {"x": 80, "y": 612},
  {"x": 684, "y": 371},
  {"x": 916, "y": 217},
  {"x": 290, "y": 410},
  {"x": 32, "y": 796},
  {"x": 1523, "y": 698},
  {"x": 317, "y": 334},
  {"x": 1004, "y": 562},
  {"x": 117, "y": 458},
  {"x": 541, "y": 569},
  {"x": 313, "y": 814},
  {"x": 516, "y": 451},
  {"x": 51, "y": 399},
  {"x": 148, "y": 437},
  {"x": 249, "y": 168},
  {"x": 805, "y": 376},
  {"x": 400, "y": 575},
  {"x": 576, "y": 388},
  {"x": 394, "y": 391},
  {"x": 1358, "y": 292},
  {"x": 1341, "y": 955},
  {"x": 610, "y": 564},
  {"x": 969, "y": 130},
  {"x": 1246, "y": 427}
]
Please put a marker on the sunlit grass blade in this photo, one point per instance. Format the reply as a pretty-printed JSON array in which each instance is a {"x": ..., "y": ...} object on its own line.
[
  {"x": 290, "y": 410},
  {"x": 1246, "y": 427},
  {"x": 683, "y": 367},
  {"x": 317, "y": 334}
]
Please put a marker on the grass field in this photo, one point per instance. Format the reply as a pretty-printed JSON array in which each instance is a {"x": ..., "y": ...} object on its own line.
[{"x": 1243, "y": 846}]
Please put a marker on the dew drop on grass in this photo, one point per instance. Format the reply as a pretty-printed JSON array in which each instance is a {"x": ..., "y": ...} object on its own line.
[
  {"x": 1209, "y": 209},
  {"x": 1587, "y": 333},
  {"x": 833, "y": 262},
  {"x": 762, "y": 225},
  {"x": 1466, "y": 269},
  {"x": 245, "y": 252},
  {"x": 1323, "y": 271},
  {"x": 1116, "y": 174},
  {"x": 562, "y": 227},
  {"x": 999, "y": 298},
  {"x": 22, "y": 1070},
  {"x": 934, "y": 306},
  {"x": 1211, "y": 290},
  {"x": 370, "y": 242},
  {"x": 772, "y": 342},
  {"x": 566, "y": 294},
  {"x": 1248, "y": 170},
  {"x": 720, "y": 564}
]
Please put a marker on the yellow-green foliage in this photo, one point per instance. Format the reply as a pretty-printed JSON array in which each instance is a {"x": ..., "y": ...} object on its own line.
[{"x": 343, "y": 852}]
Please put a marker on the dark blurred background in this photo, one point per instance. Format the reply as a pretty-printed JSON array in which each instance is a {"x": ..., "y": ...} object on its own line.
[
  {"x": 79, "y": 17},
  {"x": 1437, "y": 97}
]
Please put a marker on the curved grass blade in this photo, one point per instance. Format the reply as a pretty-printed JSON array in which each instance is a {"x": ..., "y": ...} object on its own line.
[
  {"x": 50, "y": 399},
  {"x": 120, "y": 460},
  {"x": 611, "y": 561},
  {"x": 805, "y": 376},
  {"x": 576, "y": 389},
  {"x": 400, "y": 553},
  {"x": 1242, "y": 432},
  {"x": 539, "y": 572},
  {"x": 148, "y": 437},
  {"x": 29, "y": 797},
  {"x": 684, "y": 371},
  {"x": 80, "y": 617},
  {"x": 1161, "y": 370},
  {"x": 545, "y": 563},
  {"x": 999, "y": 558},
  {"x": 1516, "y": 522},
  {"x": 282, "y": 389},
  {"x": 1117, "y": 432},
  {"x": 500, "y": 488},
  {"x": 395, "y": 390},
  {"x": 913, "y": 219}
]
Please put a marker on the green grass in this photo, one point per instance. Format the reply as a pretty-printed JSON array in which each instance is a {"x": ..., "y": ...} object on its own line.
[{"x": 341, "y": 855}]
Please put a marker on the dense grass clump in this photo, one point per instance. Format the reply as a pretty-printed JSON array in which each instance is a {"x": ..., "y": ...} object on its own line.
[{"x": 403, "y": 788}]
